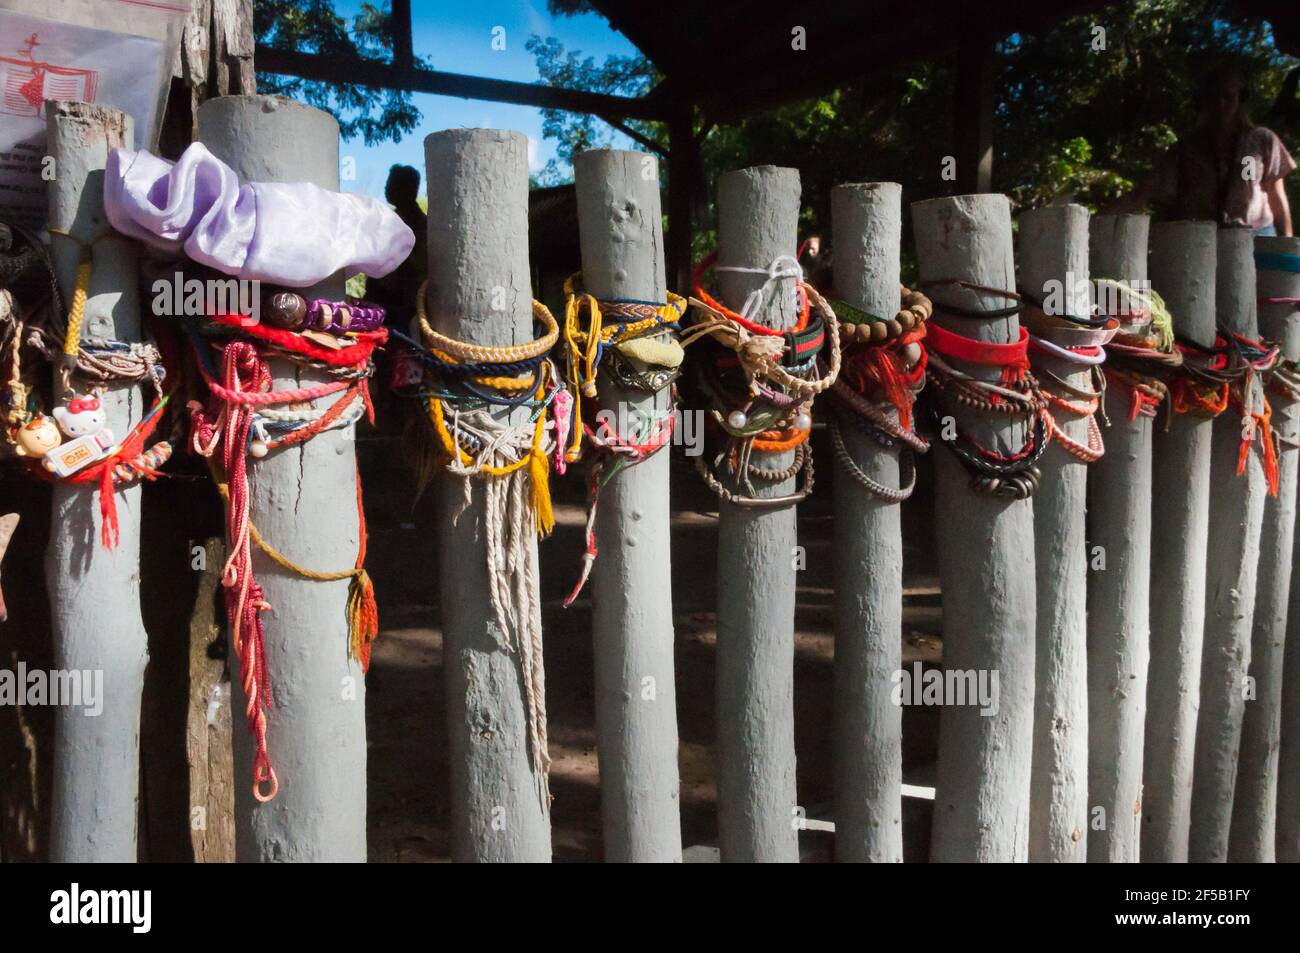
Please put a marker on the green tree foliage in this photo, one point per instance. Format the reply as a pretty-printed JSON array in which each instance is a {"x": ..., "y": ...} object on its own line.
[
  {"x": 1072, "y": 121},
  {"x": 1077, "y": 120},
  {"x": 577, "y": 132},
  {"x": 312, "y": 26}
]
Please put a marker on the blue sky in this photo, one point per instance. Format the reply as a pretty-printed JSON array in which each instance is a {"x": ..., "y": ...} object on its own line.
[{"x": 456, "y": 36}]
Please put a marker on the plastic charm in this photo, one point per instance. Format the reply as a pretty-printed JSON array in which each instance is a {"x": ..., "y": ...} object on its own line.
[
  {"x": 83, "y": 420},
  {"x": 37, "y": 437}
]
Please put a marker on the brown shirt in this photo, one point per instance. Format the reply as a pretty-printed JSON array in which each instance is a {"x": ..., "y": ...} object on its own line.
[{"x": 1194, "y": 182}]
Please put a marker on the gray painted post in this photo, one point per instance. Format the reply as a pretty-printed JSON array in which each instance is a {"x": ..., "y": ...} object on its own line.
[
  {"x": 1119, "y": 521},
  {"x": 758, "y": 220},
  {"x": 632, "y": 621},
  {"x": 1053, "y": 252},
  {"x": 479, "y": 291},
  {"x": 867, "y": 749},
  {"x": 1182, "y": 270},
  {"x": 1236, "y": 515},
  {"x": 1254, "y": 808},
  {"x": 986, "y": 559},
  {"x": 94, "y": 593},
  {"x": 303, "y": 500},
  {"x": 1278, "y": 284}
]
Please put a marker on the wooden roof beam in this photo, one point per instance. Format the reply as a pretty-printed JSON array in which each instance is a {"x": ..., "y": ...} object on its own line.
[{"x": 381, "y": 75}]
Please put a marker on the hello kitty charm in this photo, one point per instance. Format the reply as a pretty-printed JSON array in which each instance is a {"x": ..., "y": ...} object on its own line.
[{"x": 83, "y": 422}]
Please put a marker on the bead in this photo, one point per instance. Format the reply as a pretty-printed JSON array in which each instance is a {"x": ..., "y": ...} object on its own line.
[
  {"x": 802, "y": 421},
  {"x": 287, "y": 310},
  {"x": 895, "y": 328},
  {"x": 878, "y": 331},
  {"x": 912, "y": 354},
  {"x": 907, "y": 320},
  {"x": 737, "y": 419},
  {"x": 257, "y": 449}
]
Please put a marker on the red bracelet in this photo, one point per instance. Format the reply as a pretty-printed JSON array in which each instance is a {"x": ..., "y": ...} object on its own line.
[
  {"x": 971, "y": 351},
  {"x": 750, "y": 326}
]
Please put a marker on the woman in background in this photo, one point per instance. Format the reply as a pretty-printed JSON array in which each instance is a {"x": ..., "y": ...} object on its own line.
[{"x": 1226, "y": 170}]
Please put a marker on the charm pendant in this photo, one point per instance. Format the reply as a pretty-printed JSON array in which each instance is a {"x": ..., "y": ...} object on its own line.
[{"x": 83, "y": 420}]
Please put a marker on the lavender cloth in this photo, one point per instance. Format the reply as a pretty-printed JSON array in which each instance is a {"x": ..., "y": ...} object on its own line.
[{"x": 292, "y": 234}]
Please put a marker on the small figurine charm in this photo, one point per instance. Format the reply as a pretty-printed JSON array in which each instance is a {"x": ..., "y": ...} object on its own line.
[
  {"x": 562, "y": 416},
  {"x": 83, "y": 420},
  {"x": 37, "y": 437},
  {"x": 8, "y": 523}
]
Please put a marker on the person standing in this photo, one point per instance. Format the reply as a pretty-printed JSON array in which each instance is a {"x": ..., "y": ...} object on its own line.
[{"x": 1226, "y": 170}]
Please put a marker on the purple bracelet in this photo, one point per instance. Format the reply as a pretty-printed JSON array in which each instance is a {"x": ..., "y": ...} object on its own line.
[{"x": 294, "y": 313}]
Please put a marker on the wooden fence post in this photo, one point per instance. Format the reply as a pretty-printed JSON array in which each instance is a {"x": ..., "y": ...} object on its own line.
[
  {"x": 1053, "y": 257},
  {"x": 1119, "y": 522},
  {"x": 632, "y": 620},
  {"x": 95, "y": 593},
  {"x": 1182, "y": 271},
  {"x": 986, "y": 557},
  {"x": 1236, "y": 515},
  {"x": 867, "y": 752},
  {"x": 479, "y": 292},
  {"x": 304, "y": 502},
  {"x": 758, "y": 221},
  {"x": 1282, "y": 284},
  {"x": 1254, "y": 807}
]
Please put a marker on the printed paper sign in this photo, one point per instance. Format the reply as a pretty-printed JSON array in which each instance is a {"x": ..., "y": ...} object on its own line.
[{"x": 44, "y": 59}]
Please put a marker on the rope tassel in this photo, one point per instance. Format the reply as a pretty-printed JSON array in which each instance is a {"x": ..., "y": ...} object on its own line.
[
  {"x": 225, "y": 426},
  {"x": 363, "y": 618}
]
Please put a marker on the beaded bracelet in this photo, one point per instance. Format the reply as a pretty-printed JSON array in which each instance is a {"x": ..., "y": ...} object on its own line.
[
  {"x": 862, "y": 327},
  {"x": 292, "y": 312},
  {"x": 872, "y": 486},
  {"x": 1017, "y": 392}
]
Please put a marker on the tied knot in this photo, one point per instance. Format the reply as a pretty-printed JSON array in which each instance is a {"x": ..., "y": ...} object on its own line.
[
  {"x": 203, "y": 429},
  {"x": 245, "y": 369},
  {"x": 755, "y": 350},
  {"x": 782, "y": 267}
]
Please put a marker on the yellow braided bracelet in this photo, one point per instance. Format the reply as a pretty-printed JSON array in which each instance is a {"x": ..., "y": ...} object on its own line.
[{"x": 464, "y": 353}]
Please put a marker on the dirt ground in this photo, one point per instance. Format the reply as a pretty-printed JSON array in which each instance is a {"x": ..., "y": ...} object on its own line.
[
  {"x": 408, "y": 757},
  {"x": 408, "y": 777}
]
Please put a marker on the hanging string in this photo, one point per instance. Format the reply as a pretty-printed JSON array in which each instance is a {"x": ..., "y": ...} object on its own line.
[
  {"x": 78, "y": 362},
  {"x": 770, "y": 399},
  {"x": 459, "y": 384},
  {"x": 226, "y": 427},
  {"x": 1079, "y": 343},
  {"x": 588, "y": 336},
  {"x": 883, "y": 372},
  {"x": 1015, "y": 392}
]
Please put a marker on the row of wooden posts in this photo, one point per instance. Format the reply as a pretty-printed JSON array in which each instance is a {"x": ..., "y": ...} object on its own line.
[{"x": 1120, "y": 689}]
